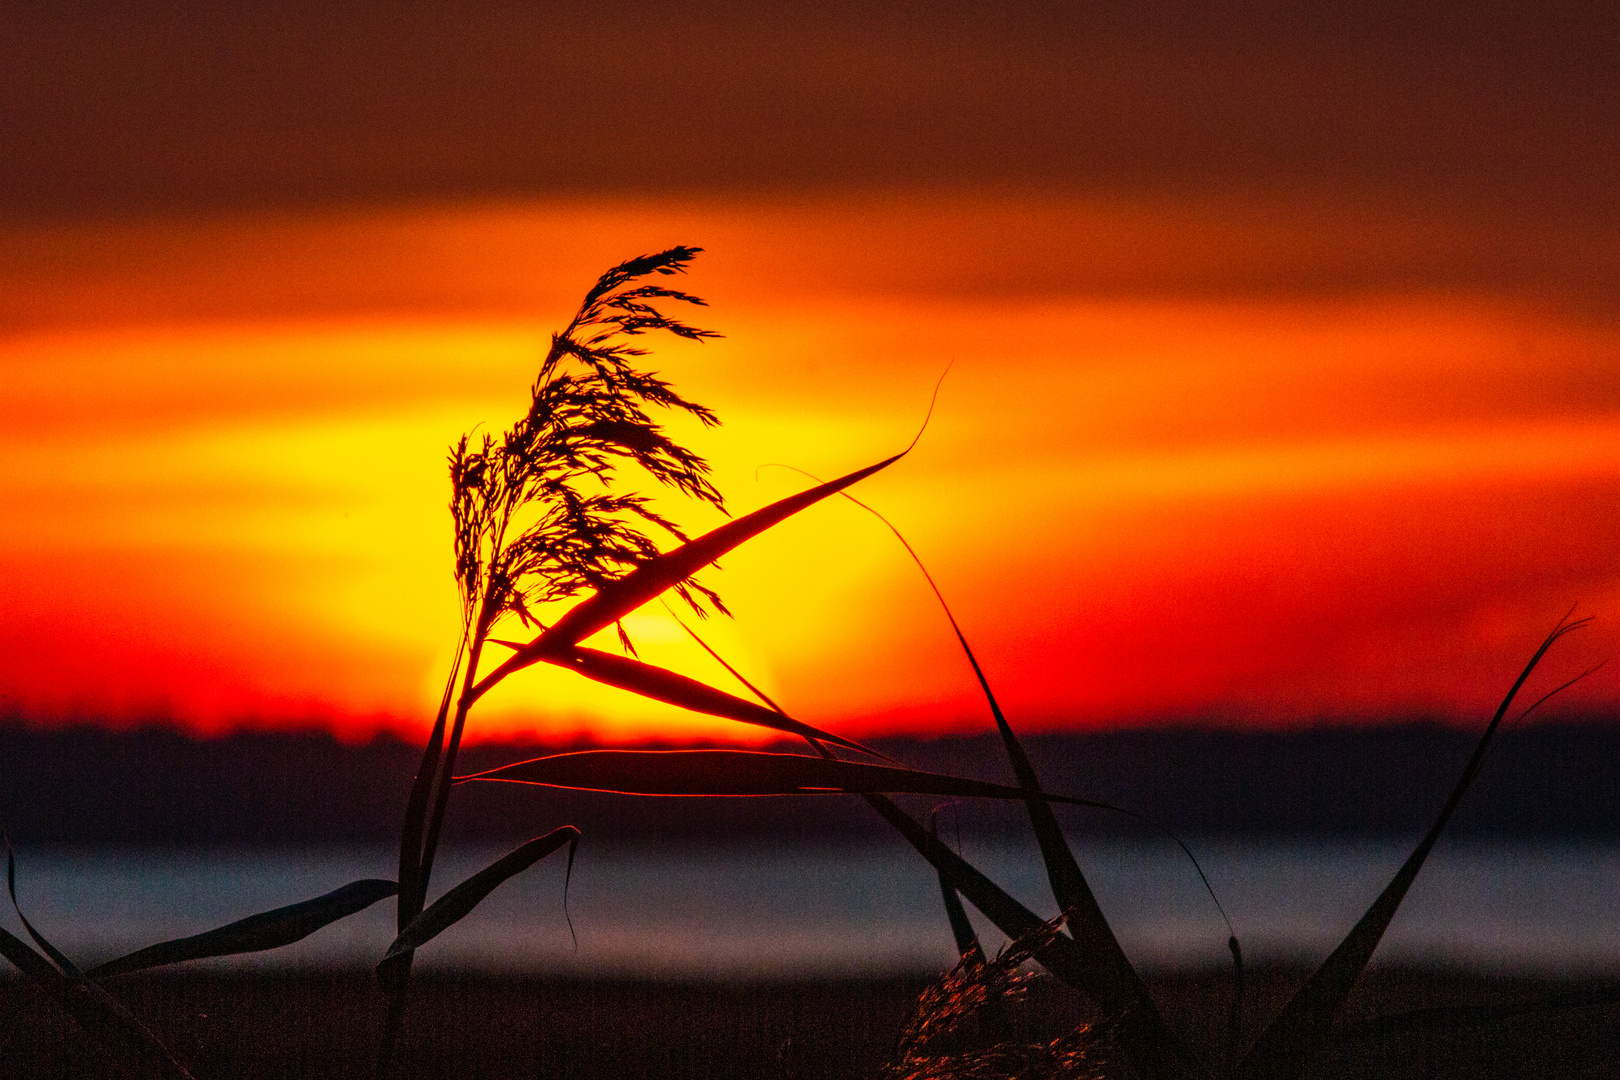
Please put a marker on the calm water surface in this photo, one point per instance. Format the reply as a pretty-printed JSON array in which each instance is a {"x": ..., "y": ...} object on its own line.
[{"x": 711, "y": 911}]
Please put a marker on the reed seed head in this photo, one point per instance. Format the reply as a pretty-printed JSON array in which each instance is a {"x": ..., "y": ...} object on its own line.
[
  {"x": 943, "y": 1041},
  {"x": 537, "y": 517}
]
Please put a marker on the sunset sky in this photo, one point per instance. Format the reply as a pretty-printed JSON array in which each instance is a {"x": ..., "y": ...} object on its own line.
[{"x": 1284, "y": 353}]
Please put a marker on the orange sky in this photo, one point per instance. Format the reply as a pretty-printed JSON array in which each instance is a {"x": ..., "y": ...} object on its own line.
[
  {"x": 1168, "y": 477},
  {"x": 1285, "y": 345}
]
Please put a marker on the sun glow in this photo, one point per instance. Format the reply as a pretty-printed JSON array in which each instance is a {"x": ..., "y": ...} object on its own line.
[{"x": 224, "y": 501}]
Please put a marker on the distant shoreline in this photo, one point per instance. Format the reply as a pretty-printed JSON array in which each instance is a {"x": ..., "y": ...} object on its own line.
[{"x": 85, "y": 785}]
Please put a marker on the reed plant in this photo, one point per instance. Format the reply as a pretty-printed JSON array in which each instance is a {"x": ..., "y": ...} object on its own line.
[{"x": 553, "y": 545}]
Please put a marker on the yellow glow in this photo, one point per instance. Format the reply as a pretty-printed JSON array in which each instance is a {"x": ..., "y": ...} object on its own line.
[{"x": 249, "y": 507}]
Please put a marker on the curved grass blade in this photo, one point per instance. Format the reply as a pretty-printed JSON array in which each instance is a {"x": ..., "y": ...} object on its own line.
[
  {"x": 967, "y": 941},
  {"x": 1305, "y": 1025},
  {"x": 1122, "y": 993},
  {"x": 256, "y": 933},
  {"x": 31, "y": 963},
  {"x": 1234, "y": 1012},
  {"x": 619, "y": 598},
  {"x": 661, "y": 684},
  {"x": 718, "y": 773},
  {"x": 63, "y": 964},
  {"x": 972, "y": 961},
  {"x": 454, "y": 905}
]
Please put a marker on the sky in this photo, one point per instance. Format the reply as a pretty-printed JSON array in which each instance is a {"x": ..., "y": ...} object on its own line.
[{"x": 1283, "y": 361}]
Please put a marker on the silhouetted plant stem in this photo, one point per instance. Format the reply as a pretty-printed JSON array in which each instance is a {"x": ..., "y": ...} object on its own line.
[
  {"x": 536, "y": 520},
  {"x": 441, "y": 798},
  {"x": 1234, "y": 1019},
  {"x": 993, "y": 1023},
  {"x": 395, "y": 974}
]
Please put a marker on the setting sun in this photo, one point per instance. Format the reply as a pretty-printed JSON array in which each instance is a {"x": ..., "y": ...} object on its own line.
[{"x": 225, "y": 503}]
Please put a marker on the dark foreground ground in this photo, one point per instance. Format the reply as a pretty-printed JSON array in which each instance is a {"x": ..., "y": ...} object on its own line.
[{"x": 325, "y": 1026}]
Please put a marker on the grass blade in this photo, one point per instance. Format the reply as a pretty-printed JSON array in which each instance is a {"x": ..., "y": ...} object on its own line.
[
  {"x": 661, "y": 684},
  {"x": 1009, "y": 916},
  {"x": 1068, "y": 883},
  {"x": 63, "y": 964},
  {"x": 972, "y": 962},
  {"x": 1286, "y": 1047},
  {"x": 454, "y": 905},
  {"x": 256, "y": 933},
  {"x": 971, "y": 959},
  {"x": 967, "y": 941},
  {"x": 31, "y": 963},
  {"x": 619, "y": 598},
  {"x": 1119, "y": 990},
  {"x": 739, "y": 773}
]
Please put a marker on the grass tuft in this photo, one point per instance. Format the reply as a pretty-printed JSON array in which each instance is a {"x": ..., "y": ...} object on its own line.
[{"x": 959, "y": 1028}]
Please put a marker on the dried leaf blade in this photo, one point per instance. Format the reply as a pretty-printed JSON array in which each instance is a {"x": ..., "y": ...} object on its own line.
[
  {"x": 734, "y": 773},
  {"x": 256, "y": 933},
  {"x": 31, "y": 963},
  {"x": 670, "y": 687},
  {"x": 454, "y": 905},
  {"x": 63, "y": 964}
]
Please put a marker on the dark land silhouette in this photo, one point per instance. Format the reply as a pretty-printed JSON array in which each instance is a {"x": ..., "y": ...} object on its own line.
[{"x": 88, "y": 785}]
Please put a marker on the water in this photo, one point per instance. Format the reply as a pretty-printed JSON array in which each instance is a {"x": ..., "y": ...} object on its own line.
[{"x": 797, "y": 911}]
